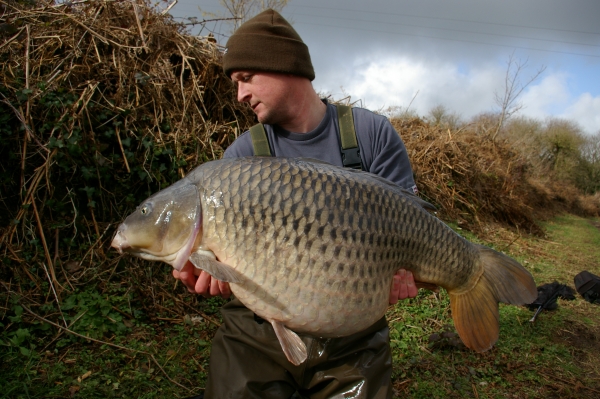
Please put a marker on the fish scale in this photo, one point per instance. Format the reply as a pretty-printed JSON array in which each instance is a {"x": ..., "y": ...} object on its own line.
[{"x": 313, "y": 248}]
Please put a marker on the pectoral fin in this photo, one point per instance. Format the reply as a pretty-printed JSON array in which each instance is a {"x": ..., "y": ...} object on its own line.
[
  {"x": 293, "y": 347},
  {"x": 207, "y": 261}
]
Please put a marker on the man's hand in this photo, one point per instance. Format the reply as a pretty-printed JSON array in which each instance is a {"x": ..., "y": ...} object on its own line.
[
  {"x": 202, "y": 283},
  {"x": 403, "y": 286}
]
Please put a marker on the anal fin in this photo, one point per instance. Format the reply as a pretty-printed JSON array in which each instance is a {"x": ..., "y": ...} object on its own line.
[
  {"x": 293, "y": 347},
  {"x": 207, "y": 261}
]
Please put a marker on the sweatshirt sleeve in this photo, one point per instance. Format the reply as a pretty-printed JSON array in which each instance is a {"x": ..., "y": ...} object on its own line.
[
  {"x": 241, "y": 147},
  {"x": 384, "y": 152}
]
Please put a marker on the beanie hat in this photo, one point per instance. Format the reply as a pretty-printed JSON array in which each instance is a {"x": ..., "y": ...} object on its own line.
[{"x": 267, "y": 42}]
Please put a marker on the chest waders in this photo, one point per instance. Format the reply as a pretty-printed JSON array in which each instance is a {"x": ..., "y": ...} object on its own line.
[
  {"x": 246, "y": 359},
  {"x": 347, "y": 135}
]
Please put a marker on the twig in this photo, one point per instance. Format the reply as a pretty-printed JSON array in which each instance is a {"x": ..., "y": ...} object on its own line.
[
  {"x": 205, "y": 316},
  {"x": 95, "y": 243},
  {"x": 28, "y": 39},
  {"x": 23, "y": 159},
  {"x": 6, "y": 43},
  {"x": 23, "y": 121},
  {"x": 166, "y": 10},
  {"x": 94, "y": 220},
  {"x": 56, "y": 258},
  {"x": 122, "y": 150},
  {"x": 7, "y": 298},
  {"x": 54, "y": 292},
  {"x": 60, "y": 332},
  {"x": 136, "y": 10},
  {"x": 99, "y": 36},
  {"x": 411, "y": 101},
  {"x": 104, "y": 343},
  {"x": 475, "y": 390},
  {"x": 204, "y": 21},
  {"x": 510, "y": 243},
  {"x": 45, "y": 245}
]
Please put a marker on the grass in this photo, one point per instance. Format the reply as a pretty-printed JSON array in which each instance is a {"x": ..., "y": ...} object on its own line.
[
  {"x": 154, "y": 356},
  {"x": 553, "y": 357},
  {"x": 165, "y": 354}
]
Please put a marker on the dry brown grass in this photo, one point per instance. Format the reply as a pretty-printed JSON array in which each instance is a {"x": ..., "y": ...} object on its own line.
[{"x": 475, "y": 181}]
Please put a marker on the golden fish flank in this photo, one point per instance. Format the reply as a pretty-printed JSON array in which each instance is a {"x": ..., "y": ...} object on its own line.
[{"x": 313, "y": 248}]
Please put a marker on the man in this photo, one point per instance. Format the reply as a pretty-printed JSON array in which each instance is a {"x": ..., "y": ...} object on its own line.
[{"x": 271, "y": 67}]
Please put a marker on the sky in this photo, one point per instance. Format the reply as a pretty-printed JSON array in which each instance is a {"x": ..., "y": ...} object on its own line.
[{"x": 419, "y": 54}]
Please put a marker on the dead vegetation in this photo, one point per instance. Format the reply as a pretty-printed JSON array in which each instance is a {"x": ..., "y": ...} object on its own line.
[
  {"x": 102, "y": 102},
  {"x": 475, "y": 180}
]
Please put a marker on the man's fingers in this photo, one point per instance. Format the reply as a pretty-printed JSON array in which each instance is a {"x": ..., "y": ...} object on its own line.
[
  {"x": 203, "y": 284},
  {"x": 403, "y": 286},
  {"x": 403, "y": 289},
  {"x": 186, "y": 276},
  {"x": 200, "y": 282},
  {"x": 189, "y": 280},
  {"x": 411, "y": 288},
  {"x": 224, "y": 288},
  {"x": 395, "y": 290},
  {"x": 215, "y": 288}
]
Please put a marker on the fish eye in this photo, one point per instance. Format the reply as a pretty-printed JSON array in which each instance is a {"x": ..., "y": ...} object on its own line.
[{"x": 146, "y": 209}]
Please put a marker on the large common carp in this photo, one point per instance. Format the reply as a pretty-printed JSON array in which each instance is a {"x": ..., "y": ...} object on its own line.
[{"x": 313, "y": 248}]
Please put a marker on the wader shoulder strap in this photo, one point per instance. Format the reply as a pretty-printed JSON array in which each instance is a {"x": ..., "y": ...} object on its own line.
[
  {"x": 260, "y": 141},
  {"x": 350, "y": 150}
]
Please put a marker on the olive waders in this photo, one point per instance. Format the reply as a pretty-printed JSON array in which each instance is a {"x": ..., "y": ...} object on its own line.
[{"x": 247, "y": 362}]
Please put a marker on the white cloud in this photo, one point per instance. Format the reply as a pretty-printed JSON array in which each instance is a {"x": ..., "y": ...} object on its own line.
[
  {"x": 393, "y": 80},
  {"x": 552, "y": 97},
  {"x": 586, "y": 112},
  {"x": 548, "y": 97}
]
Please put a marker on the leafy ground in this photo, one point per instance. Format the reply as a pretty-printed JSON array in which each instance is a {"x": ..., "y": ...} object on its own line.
[{"x": 138, "y": 352}]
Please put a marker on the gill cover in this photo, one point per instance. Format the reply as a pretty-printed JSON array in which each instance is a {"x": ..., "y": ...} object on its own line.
[{"x": 165, "y": 226}]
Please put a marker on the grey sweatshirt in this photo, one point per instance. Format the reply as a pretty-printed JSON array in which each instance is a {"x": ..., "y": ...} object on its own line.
[{"x": 381, "y": 149}]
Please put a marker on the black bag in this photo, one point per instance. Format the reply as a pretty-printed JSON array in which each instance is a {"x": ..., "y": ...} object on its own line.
[
  {"x": 588, "y": 285},
  {"x": 548, "y": 295}
]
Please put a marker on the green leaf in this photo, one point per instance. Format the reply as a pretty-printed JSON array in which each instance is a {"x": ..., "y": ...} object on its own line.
[{"x": 24, "y": 351}]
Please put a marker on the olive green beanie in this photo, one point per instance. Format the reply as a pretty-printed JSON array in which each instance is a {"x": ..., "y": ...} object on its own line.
[{"x": 267, "y": 42}]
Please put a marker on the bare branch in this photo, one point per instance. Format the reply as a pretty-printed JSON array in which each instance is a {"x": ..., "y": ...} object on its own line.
[
  {"x": 242, "y": 10},
  {"x": 513, "y": 88}
]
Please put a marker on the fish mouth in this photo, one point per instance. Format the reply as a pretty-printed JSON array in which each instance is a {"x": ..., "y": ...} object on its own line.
[
  {"x": 119, "y": 241},
  {"x": 121, "y": 244}
]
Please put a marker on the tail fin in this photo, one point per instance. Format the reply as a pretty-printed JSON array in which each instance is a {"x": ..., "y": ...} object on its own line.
[{"x": 475, "y": 312}]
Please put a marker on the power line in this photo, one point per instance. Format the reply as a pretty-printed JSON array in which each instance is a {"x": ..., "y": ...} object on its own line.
[
  {"x": 448, "y": 39},
  {"x": 291, "y": 6},
  {"x": 445, "y": 19},
  {"x": 453, "y": 30}
]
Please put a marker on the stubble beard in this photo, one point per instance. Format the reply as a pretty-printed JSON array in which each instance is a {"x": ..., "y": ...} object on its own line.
[{"x": 270, "y": 117}]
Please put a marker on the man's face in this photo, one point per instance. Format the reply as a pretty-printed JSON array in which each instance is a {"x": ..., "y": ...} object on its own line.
[{"x": 266, "y": 92}]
